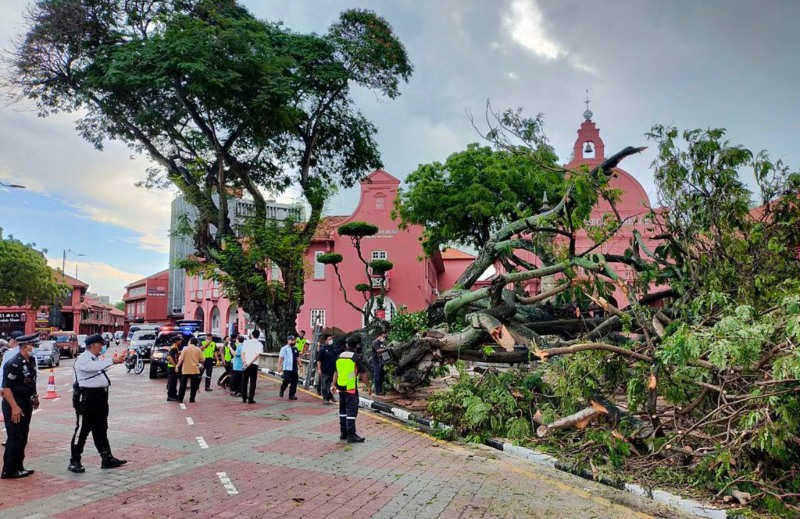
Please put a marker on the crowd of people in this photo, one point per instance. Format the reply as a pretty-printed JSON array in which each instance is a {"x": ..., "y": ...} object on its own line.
[{"x": 189, "y": 361}]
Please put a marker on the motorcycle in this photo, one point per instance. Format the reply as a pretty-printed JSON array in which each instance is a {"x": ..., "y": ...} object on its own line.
[{"x": 134, "y": 361}]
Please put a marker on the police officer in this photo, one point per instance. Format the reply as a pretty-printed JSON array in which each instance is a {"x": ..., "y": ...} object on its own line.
[
  {"x": 349, "y": 368},
  {"x": 19, "y": 401},
  {"x": 210, "y": 355},
  {"x": 91, "y": 405},
  {"x": 172, "y": 373}
]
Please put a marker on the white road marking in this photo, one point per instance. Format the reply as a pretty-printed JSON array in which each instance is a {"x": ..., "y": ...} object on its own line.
[
  {"x": 183, "y": 406},
  {"x": 226, "y": 482},
  {"x": 69, "y": 390},
  {"x": 201, "y": 442},
  {"x": 36, "y": 411},
  {"x": 65, "y": 385},
  {"x": 56, "y": 399},
  {"x": 189, "y": 421}
]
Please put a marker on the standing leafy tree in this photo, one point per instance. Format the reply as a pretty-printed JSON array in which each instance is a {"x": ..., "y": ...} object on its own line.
[
  {"x": 221, "y": 102},
  {"x": 475, "y": 192},
  {"x": 25, "y": 277}
]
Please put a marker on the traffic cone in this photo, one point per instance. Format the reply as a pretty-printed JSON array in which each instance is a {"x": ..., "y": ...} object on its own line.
[{"x": 51, "y": 386}]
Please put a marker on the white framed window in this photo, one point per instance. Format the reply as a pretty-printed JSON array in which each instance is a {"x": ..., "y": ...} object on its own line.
[
  {"x": 317, "y": 318},
  {"x": 380, "y": 202},
  {"x": 379, "y": 255},
  {"x": 319, "y": 268}
]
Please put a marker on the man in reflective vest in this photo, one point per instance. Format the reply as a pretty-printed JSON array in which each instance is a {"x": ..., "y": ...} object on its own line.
[
  {"x": 301, "y": 342},
  {"x": 349, "y": 368},
  {"x": 210, "y": 355},
  {"x": 228, "y": 347}
]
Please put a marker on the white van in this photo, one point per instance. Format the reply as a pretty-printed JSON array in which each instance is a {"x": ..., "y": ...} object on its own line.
[{"x": 139, "y": 327}]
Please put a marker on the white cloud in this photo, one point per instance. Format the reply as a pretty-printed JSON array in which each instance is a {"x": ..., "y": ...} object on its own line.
[
  {"x": 526, "y": 25},
  {"x": 102, "y": 278},
  {"x": 99, "y": 185}
]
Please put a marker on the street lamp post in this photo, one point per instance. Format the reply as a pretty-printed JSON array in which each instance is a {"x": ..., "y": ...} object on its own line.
[{"x": 56, "y": 315}]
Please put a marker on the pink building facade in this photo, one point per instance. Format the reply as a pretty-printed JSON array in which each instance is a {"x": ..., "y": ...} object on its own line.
[{"x": 415, "y": 281}]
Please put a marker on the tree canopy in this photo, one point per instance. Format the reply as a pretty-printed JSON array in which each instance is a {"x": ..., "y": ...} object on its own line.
[
  {"x": 25, "y": 278},
  {"x": 475, "y": 192},
  {"x": 223, "y": 104}
]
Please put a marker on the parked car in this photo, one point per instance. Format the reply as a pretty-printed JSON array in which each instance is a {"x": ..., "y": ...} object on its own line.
[
  {"x": 138, "y": 327},
  {"x": 46, "y": 354},
  {"x": 67, "y": 343},
  {"x": 81, "y": 342},
  {"x": 144, "y": 341},
  {"x": 158, "y": 356}
]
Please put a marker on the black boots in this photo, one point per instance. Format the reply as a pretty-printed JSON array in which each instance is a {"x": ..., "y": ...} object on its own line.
[
  {"x": 354, "y": 438},
  {"x": 110, "y": 462},
  {"x": 75, "y": 466}
]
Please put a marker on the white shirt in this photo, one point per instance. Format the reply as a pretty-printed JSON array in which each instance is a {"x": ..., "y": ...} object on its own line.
[
  {"x": 251, "y": 351},
  {"x": 90, "y": 371},
  {"x": 6, "y": 357}
]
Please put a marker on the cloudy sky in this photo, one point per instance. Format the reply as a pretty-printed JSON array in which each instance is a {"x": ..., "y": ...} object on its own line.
[{"x": 730, "y": 64}]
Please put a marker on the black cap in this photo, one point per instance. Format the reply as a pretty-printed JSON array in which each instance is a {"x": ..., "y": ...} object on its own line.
[
  {"x": 94, "y": 339},
  {"x": 28, "y": 339},
  {"x": 17, "y": 334},
  {"x": 291, "y": 338}
]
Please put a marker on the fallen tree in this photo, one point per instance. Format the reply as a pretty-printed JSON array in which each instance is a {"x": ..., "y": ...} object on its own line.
[{"x": 695, "y": 368}]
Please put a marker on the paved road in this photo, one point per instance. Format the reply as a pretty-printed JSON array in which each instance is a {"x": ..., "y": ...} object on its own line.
[{"x": 279, "y": 458}]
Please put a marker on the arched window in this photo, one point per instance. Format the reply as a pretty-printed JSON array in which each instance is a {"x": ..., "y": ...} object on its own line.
[
  {"x": 199, "y": 315},
  {"x": 389, "y": 308},
  {"x": 233, "y": 320},
  {"x": 216, "y": 321}
]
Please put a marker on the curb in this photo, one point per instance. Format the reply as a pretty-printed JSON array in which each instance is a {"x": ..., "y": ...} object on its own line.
[{"x": 659, "y": 496}]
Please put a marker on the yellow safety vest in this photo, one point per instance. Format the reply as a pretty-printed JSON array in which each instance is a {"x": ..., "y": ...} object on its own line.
[
  {"x": 346, "y": 371},
  {"x": 228, "y": 354},
  {"x": 209, "y": 347},
  {"x": 301, "y": 344},
  {"x": 169, "y": 359}
]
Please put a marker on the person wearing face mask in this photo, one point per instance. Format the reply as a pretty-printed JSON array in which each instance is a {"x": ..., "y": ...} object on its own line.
[
  {"x": 91, "y": 404},
  {"x": 326, "y": 365},
  {"x": 19, "y": 402}
]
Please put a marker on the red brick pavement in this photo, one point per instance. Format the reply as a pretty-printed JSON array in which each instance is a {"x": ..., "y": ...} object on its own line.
[{"x": 285, "y": 460}]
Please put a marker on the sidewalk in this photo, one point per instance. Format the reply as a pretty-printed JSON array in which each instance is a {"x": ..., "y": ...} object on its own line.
[{"x": 280, "y": 458}]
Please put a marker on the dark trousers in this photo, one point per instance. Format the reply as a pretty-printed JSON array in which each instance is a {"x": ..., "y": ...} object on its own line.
[
  {"x": 377, "y": 376},
  {"x": 290, "y": 381},
  {"x": 172, "y": 383},
  {"x": 348, "y": 411},
  {"x": 227, "y": 372},
  {"x": 14, "y": 455},
  {"x": 236, "y": 381},
  {"x": 325, "y": 381},
  {"x": 249, "y": 376},
  {"x": 91, "y": 418},
  {"x": 194, "y": 381},
  {"x": 208, "y": 367}
]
